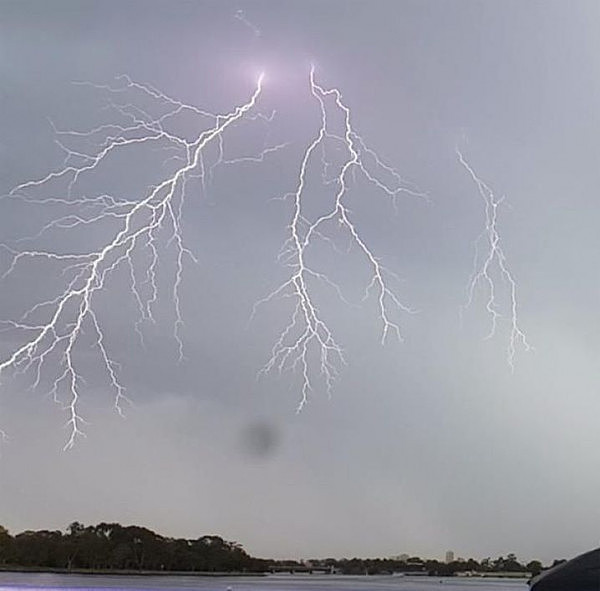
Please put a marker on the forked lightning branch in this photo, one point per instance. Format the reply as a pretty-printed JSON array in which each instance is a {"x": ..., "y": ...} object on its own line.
[
  {"x": 138, "y": 233},
  {"x": 149, "y": 228}
]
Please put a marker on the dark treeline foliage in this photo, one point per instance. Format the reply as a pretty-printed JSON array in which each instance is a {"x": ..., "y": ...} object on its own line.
[
  {"x": 114, "y": 547},
  {"x": 374, "y": 566},
  {"x": 111, "y": 546}
]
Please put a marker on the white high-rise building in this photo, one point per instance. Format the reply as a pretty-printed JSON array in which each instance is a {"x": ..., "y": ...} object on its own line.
[{"x": 449, "y": 556}]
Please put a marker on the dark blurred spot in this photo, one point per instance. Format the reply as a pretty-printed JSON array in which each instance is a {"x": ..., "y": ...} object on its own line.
[{"x": 260, "y": 439}]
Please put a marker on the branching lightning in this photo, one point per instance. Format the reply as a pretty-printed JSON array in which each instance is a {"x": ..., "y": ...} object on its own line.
[
  {"x": 307, "y": 332},
  {"x": 144, "y": 227},
  {"x": 488, "y": 260},
  {"x": 143, "y": 231},
  {"x": 151, "y": 224}
]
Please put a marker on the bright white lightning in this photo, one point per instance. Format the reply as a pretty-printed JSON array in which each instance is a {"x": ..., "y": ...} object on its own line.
[
  {"x": 484, "y": 266},
  {"x": 147, "y": 224},
  {"x": 307, "y": 332},
  {"x": 150, "y": 224}
]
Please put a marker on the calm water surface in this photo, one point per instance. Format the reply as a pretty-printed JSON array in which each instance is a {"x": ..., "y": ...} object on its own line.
[{"x": 46, "y": 582}]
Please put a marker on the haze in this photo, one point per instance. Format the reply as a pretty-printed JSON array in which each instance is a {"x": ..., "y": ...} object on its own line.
[{"x": 427, "y": 445}]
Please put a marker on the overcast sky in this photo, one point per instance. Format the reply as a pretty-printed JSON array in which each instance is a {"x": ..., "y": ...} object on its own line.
[{"x": 423, "y": 446}]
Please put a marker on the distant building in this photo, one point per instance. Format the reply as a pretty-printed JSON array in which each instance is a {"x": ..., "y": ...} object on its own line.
[{"x": 449, "y": 556}]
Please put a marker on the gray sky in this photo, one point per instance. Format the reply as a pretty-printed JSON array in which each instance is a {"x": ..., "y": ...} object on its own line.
[{"x": 423, "y": 446}]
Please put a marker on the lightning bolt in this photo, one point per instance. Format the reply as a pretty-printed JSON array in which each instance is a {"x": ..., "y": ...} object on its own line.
[
  {"x": 490, "y": 261},
  {"x": 144, "y": 226},
  {"x": 307, "y": 332},
  {"x": 146, "y": 229},
  {"x": 241, "y": 16}
]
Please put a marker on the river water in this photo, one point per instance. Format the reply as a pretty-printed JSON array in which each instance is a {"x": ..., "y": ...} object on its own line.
[{"x": 47, "y": 582}]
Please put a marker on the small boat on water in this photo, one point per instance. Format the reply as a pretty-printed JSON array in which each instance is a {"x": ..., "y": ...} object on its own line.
[{"x": 582, "y": 573}]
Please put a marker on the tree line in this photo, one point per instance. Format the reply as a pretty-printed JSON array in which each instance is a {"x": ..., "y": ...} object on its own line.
[
  {"x": 114, "y": 547},
  {"x": 415, "y": 564}
]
